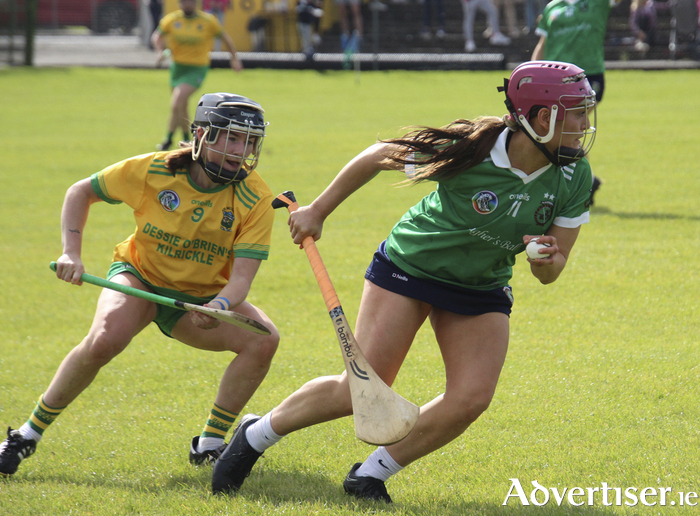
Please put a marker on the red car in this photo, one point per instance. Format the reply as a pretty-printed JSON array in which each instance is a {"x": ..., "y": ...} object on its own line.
[{"x": 100, "y": 16}]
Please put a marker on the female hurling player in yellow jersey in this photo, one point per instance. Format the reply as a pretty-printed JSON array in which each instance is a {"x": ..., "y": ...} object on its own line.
[{"x": 203, "y": 226}]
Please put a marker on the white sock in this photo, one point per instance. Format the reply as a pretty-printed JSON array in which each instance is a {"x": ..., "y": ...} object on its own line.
[
  {"x": 379, "y": 465},
  {"x": 29, "y": 433},
  {"x": 209, "y": 443},
  {"x": 260, "y": 434}
]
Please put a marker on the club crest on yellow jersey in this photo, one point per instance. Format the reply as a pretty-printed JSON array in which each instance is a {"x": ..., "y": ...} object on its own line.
[
  {"x": 169, "y": 200},
  {"x": 227, "y": 219}
]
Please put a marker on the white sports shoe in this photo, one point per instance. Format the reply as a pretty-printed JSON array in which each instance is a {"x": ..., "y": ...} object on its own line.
[
  {"x": 499, "y": 39},
  {"x": 469, "y": 46}
]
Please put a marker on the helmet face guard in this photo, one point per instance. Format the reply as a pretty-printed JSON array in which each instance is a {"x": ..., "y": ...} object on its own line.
[
  {"x": 225, "y": 115},
  {"x": 563, "y": 89}
]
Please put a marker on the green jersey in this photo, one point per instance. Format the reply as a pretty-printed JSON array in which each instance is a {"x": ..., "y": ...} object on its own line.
[
  {"x": 468, "y": 231},
  {"x": 575, "y": 32}
]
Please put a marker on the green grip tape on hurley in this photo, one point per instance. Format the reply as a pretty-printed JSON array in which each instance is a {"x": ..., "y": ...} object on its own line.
[{"x": 124, "y": 289}]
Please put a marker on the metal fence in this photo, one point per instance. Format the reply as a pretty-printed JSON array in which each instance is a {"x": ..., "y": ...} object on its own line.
[{"x": 401, "y": 25}]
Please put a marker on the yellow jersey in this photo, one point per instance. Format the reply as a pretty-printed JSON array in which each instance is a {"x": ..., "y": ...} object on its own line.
[
  {"x": 186, "y": 238},
  {"x": 190, "y": 39}
]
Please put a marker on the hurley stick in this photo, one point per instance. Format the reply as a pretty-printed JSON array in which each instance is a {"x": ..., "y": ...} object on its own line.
[
  {"x": 228, "y": 316},
  {"x": 382, "y": 417}
]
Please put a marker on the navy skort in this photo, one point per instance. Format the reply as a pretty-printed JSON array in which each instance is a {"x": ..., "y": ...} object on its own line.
[{"x": 460, "y": 300}]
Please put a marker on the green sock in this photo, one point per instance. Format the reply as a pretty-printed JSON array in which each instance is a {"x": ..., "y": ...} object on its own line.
[{"x": 43, "y": 416}]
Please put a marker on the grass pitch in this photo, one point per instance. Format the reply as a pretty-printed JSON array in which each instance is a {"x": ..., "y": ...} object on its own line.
[{"x": 601, "y": 379}]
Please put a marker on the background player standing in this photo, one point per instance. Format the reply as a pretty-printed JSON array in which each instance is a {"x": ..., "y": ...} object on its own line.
[
  {"x": 574, "y": 31},
  {"x": 203, "y": 226},
  {"x": 189, "y": 35}
]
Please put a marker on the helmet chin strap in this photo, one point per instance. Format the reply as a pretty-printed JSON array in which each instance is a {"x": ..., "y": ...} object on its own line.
[
  {"x": 213, "y": 170},
  {"x": 564, "y": 156}
]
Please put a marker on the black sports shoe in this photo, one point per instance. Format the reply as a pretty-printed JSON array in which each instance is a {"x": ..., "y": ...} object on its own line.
[
  {"x": 207, "y": 456},
  {"x": 365, "y": 488},
  {"x": 235, "y": 463},
  {"x": 13, "y": 450},
  {"x": 164, "y": 145}
]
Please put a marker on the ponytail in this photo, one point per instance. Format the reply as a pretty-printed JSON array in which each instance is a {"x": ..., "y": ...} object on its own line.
[
  {"x": 442, "y": 153},
  {"x": 179, "y": 158}
]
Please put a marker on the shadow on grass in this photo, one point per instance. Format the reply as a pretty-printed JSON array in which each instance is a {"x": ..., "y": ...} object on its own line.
[
  {"x": 117, "y": 482},
  {"x": 602, "y": 210},
  {"x": 283, "y": 488},
  {"x": 322, "y": 495}
]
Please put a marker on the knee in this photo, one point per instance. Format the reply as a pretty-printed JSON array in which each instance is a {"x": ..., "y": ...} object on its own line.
[
  {"x": 178, "y": 100},
  {"x": 340, "y": 396},
  {"x": 468, "y": 408},
  {"x": 478, "y": 405},
  {"x": 264, "y": 347},
  {"x": 268, "y": 347},
  {"x": 99, "y": 349},
  {"x": 335, "y": 393}
]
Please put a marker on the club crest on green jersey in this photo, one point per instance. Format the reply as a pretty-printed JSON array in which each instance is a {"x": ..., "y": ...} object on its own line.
[
  {"x": 544, "y": 212},
  {"x": 227, "y": 219},
  {"x": 485, "y": 202},
  {"x": 169, "y": 200}
]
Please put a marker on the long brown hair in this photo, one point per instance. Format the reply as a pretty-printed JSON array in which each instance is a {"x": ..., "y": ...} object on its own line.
[
  {"x": 180, "y": 158},
  {"x": 441, "y": 153}
]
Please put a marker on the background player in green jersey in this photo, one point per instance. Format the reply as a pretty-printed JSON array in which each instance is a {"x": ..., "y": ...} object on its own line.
[
  {"x": 189, "y": 35},
  {"x": 499, "y": 183},
  {"x": 203, "y": 226},
  {"x": 574, "y": 31}
]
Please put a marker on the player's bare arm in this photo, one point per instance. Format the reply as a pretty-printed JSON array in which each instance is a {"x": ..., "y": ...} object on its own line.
[
  {"x": 233, "y": 294},
  {"x": 158, "y": 40},
  {"x": 74, "y": 214},
  {"x": 538, "y": 53},
  {"x": 308, "y": 220},
  {"x": 236, "y": 64},
  {"x": 561, "y": 241}
]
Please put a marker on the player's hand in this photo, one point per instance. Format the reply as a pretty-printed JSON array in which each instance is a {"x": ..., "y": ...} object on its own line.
[
  {"x": 203, "y": 321},
  {"x": 70, "y": 269},
  {"x": 543, "y": 239},
  {"x": 306, "y": 221},
  {"x": 236, "y": 64},
  {"x": 162, "y": 54}
]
